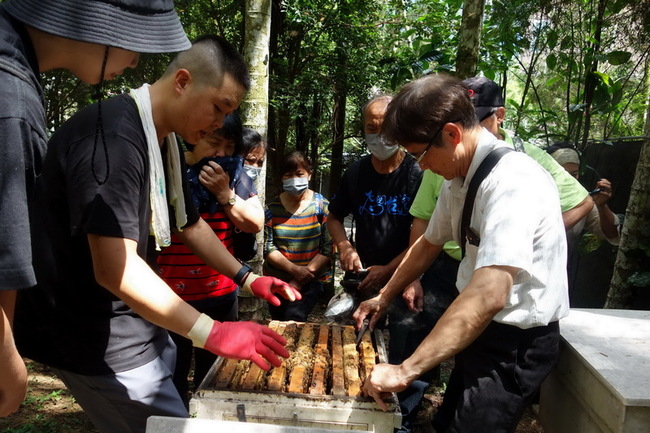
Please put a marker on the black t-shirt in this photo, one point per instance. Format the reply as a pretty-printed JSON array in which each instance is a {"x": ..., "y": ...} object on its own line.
[
  {"x": 380, "y": 205},
  {"x": 23, "y": 141},
  {"x": 70, "y": 321}
]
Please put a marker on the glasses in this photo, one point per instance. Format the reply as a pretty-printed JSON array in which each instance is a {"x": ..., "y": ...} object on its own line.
[{"x": 421, "y": 156}]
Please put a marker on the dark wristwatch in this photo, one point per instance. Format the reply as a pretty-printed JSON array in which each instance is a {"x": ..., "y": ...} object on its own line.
[{"x": 241, "y": 275}]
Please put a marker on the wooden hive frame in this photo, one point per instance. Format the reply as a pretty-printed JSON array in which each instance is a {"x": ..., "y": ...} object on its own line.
[
  {"x": 324, "y": 394},
  {"x": 324, "y": 361}
]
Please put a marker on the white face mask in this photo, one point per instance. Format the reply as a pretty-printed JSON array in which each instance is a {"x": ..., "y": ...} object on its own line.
[
  {"x": 252, "y": 172},
  {"x": 295, "y": 185},
  {"x": 379, "y": 147}
]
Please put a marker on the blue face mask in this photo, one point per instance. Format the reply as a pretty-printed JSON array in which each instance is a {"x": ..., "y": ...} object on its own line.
[
  {"x": 295, "y": 185},
  {"x": 252, "y": 172}
]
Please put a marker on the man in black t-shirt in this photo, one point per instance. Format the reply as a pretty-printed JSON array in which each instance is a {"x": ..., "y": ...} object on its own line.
[
  {"x": 100, "y": 312},
  {"x": 378, "y": 191},
  {"x": 95, "y": 40}
]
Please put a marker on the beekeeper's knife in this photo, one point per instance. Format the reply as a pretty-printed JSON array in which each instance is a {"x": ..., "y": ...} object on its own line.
[{"x": 361, "y": 331}]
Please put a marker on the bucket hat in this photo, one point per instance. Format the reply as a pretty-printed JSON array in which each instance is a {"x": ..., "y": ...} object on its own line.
[
  {"x": 566, "y": 155},
  {"x": 485, "y": 94},
  {"x": 142, "y": 26}
]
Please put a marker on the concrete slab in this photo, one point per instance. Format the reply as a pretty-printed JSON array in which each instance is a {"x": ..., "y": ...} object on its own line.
[
  {"x": 161, "y": 424},
  {"x": 602, "y": 382}
]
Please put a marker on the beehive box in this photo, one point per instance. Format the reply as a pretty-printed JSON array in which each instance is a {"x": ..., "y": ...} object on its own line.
[
  {"x": 602, "y": 381},
  {"x": 318, "y": 386}
]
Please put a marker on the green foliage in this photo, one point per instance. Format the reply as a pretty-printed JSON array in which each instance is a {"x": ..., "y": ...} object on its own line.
[
  {"x": 223, "y": 18},
  {"x": 589, "y": 243},
  {"x": 326, "y": 55},
  {"x": 639, "y": 279},
  {"x": 556, "y": 70},
  {"x": 323, "y": 49},
  {"x": 39, "y": 401},
  {"x": 505, "y": 34},
  {"x": 419, "y": 38},
  {"x": 45, "y": 426}
]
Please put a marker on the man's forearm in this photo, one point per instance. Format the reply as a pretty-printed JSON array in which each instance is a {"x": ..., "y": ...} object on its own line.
[
  {"x": 607, "y": 220},
  {"x": 465, "y": 319},
  {"x": 200, "y": 238},
  {"x": 418, "y": 228},
  {"x": 572, "y": 216},
  {"x": 337, "y": 230},
  {"x": 119, "y": 269}
]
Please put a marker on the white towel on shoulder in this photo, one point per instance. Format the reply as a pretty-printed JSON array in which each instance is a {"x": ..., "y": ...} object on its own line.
[{"x": 159, "y": 225}]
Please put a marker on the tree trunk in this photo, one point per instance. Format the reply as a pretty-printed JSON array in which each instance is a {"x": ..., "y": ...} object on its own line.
[
  {"x": 338, "y": 113},
  {"x": 590, "y": 79},
  {"x": 634, "y": 249},
  {"x": 469, "y": 38},
  {"x": 256, "y": 54},
  {"x": 314, "y": 144},
  {"x": 338, "y": 110},
  {"x": 255, "y": 111},
  {"x": 302, "y": 138}
]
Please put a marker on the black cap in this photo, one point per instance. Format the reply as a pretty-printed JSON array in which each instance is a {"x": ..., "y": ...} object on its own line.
[{"x": 485, "y": 94}]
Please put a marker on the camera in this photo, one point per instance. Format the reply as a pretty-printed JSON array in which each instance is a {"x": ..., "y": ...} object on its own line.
[{"x": 351, "y": 280}]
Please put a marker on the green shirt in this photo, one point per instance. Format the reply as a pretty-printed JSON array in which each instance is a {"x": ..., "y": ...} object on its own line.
[
  {"x": 425, "y": 202},
  {"x": 572, "y": 193}
]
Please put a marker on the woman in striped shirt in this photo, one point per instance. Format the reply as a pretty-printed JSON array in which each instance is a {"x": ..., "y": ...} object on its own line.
[{"x": 298, "y": 247}]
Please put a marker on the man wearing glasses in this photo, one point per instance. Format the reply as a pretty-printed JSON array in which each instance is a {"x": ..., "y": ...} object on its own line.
[{"x": 503, "y": 326}]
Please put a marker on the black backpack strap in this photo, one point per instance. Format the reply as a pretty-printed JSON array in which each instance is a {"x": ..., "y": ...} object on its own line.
[
  {"x": 321, "y": 209},
  {"x": 415, "y": 177},
  {"x": 486, "y": 166},
  {"x": 353, "y": 173}
]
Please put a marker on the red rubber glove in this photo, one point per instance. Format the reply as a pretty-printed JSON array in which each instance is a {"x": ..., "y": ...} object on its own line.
[
  {"x": 239, "y": 340},
  {"x": 265, "y": 287}
]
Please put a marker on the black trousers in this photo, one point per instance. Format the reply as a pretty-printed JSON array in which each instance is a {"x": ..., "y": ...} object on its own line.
[
  {"x": 311, "y": 292},
  {"x": 495, "y": 378},
  {"x": 408, "y": 329}
]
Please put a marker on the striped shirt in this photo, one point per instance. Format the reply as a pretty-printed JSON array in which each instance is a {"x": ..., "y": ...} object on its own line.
[
  {"x": 298, "y": 237},
  {"x": 187, "y": 275}
]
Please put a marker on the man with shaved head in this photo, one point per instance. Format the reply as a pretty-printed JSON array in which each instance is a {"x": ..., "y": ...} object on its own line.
[{"x": 100, "y": 314}]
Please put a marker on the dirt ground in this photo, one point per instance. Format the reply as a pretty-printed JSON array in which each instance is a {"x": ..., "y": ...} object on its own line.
[{"x": 49, "y": 407}]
